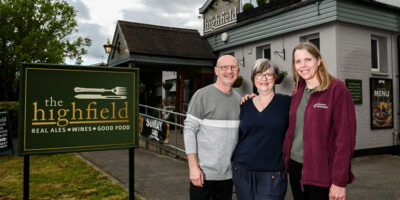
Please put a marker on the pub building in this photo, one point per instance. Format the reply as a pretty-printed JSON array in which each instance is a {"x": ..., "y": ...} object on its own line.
[{"x": 359, "y": 41}]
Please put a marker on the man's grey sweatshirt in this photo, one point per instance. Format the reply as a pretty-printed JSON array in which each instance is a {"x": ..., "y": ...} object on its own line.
[{"x": 211, "y": 130}]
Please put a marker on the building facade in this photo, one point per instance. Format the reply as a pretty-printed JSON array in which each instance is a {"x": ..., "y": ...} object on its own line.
[{"x": 359, "y": 41}]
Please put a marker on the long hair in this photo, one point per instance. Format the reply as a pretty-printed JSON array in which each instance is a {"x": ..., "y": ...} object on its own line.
[{"x": 323, "y": 76}]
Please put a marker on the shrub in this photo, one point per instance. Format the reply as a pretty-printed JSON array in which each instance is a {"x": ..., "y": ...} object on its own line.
[
  {"x": 261, "y": 2},
  {"x": 247, "y": 6}
]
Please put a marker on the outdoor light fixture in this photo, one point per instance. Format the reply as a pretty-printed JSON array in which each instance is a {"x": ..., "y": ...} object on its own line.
[{"x": 108, "y": 46}]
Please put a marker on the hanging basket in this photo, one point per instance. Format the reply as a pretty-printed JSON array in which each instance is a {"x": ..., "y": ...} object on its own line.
[
  {"x": 237, "y": 83},
  {"x": 279, "y": 79},
  {"x": 167, "y": 86}
]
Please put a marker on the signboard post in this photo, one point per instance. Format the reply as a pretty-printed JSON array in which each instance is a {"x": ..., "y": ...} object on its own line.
[
  {"x": 77, "y": 108},
  {"x": 6, "y": 140}
]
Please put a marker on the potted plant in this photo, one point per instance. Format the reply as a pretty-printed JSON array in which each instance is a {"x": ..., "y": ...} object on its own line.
[
  {"x": 262, "y": 2},
  {"x": 238, "y": 82},
  {"x": 281, "y": 76},
  {"x": 167, "y": 85},
  {"x": 247, "y": 6}
]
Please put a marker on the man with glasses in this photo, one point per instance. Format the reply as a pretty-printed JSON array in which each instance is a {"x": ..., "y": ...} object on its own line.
[{"x": 211, "y": 132}]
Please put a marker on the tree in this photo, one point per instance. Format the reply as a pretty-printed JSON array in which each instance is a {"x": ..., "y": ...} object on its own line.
[{"x": 36, "y": 31}]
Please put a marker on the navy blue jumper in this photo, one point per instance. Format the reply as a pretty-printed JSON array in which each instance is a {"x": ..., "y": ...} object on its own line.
[{"x": 261, "y": 135}]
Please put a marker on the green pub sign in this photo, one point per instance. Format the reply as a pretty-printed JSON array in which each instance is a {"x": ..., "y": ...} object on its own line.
[{"x": 77, "y": 108}]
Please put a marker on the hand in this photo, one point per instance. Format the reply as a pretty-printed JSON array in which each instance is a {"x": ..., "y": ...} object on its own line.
[
  {"x": 196, "y": 176},
  {"x": 247, "y": 97},
  {"x": 337, "y": 193}
]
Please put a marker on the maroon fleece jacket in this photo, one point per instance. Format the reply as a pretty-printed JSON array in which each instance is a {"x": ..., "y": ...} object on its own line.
[{"x": 329, "y": 135}]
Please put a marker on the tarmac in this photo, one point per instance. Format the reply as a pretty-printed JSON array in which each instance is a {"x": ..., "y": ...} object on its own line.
[{"x": 158, "y": 177}]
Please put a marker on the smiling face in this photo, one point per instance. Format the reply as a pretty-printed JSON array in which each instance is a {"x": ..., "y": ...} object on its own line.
[
  {"x": 306, "y": 64},
  {"x": 227, "y": 70},
  {"x": 264, "y": 81}
]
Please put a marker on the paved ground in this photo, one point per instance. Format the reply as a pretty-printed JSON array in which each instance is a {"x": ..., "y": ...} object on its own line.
[{"x": 164, "y": 178}]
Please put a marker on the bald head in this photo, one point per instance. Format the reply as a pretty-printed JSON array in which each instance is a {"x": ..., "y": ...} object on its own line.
[{"x": 226, "y": 60}]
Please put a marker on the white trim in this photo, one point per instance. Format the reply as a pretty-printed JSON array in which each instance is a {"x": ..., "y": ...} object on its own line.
[
  {"x": 221, "y": 123},
  {"x": 194, "y": 118}
]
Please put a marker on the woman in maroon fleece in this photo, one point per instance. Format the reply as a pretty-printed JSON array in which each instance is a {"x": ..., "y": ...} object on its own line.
[{"x": 320, "y": 139}]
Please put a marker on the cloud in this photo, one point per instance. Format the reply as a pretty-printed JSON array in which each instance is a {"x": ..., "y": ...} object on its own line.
[
  {"x": 97, "y": 19},
  {"x": 177, "y": 13},
  {"x": 81, "y": 8}
]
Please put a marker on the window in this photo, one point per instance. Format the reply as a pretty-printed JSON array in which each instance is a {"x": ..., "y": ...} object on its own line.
[
  {"x": 374, "y": 54},
  {"x": 313, "y": 38},
  {"x": 263, "y": 52},
  {"x": 266, "y": 51},
  {"x": 379, "y": 61}
]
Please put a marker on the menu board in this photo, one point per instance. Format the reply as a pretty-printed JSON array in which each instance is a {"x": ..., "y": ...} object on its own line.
[{"x": 5, "y": 132}]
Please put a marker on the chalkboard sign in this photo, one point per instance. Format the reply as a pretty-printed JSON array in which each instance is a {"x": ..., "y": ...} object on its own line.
[
  {"x": 5, "y": 132},
  {"x": 155, "y": 129}
]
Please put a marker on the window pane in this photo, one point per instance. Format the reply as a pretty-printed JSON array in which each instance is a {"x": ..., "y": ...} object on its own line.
[
  {"x": 374, "y": 53},
  {"x": 267, "y": 53},
  {"x": 315, "y": 42}
]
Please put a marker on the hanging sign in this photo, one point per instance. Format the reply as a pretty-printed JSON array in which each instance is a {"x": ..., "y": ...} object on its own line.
[{"x": 76, "y": 108}]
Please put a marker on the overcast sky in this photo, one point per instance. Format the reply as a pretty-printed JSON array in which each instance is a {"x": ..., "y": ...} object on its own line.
[{"x": 97, "y": 19}]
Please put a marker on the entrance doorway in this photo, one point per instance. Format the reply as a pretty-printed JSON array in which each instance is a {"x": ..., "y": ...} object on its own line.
[{"x": 189, "y": 84}]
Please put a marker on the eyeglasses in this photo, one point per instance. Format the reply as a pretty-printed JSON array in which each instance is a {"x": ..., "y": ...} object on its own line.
[
  {"x": 227, "y": 67},
  {"x": 267, "y": 76}
]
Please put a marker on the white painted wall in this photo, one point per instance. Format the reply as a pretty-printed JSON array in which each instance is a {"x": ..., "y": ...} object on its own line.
[{"x": 346, "y": 49}]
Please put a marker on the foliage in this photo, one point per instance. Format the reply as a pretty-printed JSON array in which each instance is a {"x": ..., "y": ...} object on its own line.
[
  {"x": 239, "y": 77},
  {"x": 261, "y": 2},
  {"x": 36, "y": 31},
  {"x": 283, "y": 72},
  {"x": 58, "y": 176},
  {"x": 247, "y": 6},
  {"x": 9, "y": 105}
]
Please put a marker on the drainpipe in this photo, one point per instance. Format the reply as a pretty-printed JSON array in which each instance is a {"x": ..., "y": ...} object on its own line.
[{"x": 395, "y": 132}]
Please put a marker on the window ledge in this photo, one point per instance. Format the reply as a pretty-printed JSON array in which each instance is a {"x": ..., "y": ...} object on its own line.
[{"x": 379, "y": 73}]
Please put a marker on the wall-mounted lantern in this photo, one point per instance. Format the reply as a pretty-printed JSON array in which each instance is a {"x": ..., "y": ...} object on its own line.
[{"x": 108, "y": 46}]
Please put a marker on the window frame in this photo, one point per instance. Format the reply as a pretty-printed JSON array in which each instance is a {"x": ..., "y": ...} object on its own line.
[{"x": 378, "y": 59}]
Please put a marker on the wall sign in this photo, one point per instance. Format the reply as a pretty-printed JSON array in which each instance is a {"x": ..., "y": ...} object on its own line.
[
  {"x": 6, "y": 142},
  {"x": 76, "y": 108},
  {"x": 355, "y": 89},
  {"x": 381, "y": 93},
  {"x": 219, "y": 20}
]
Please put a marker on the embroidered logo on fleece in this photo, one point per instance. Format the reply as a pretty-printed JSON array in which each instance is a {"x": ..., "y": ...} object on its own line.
[{"x": 320, "y": 105}]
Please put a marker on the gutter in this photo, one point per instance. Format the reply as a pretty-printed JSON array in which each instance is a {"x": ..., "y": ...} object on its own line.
[{"x": 396, "y": 133}]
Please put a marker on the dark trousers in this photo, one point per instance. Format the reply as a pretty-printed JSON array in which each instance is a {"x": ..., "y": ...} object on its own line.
[
  {"x": 251, "y": 185},
  {"x": 310, "y": 192},
  {"x": 212, "y": 190}
]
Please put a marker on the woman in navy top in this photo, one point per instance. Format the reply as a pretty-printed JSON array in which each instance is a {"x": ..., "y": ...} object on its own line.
[{"x": 258, "y": 168}]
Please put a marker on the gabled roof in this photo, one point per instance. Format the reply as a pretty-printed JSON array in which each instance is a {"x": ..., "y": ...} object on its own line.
[
  {"x": 165, "y": 41},
  {"x": 205, "y": 6}
]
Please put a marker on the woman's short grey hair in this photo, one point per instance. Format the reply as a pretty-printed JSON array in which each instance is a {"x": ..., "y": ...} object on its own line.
[{"x": 262, "y": 65}]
